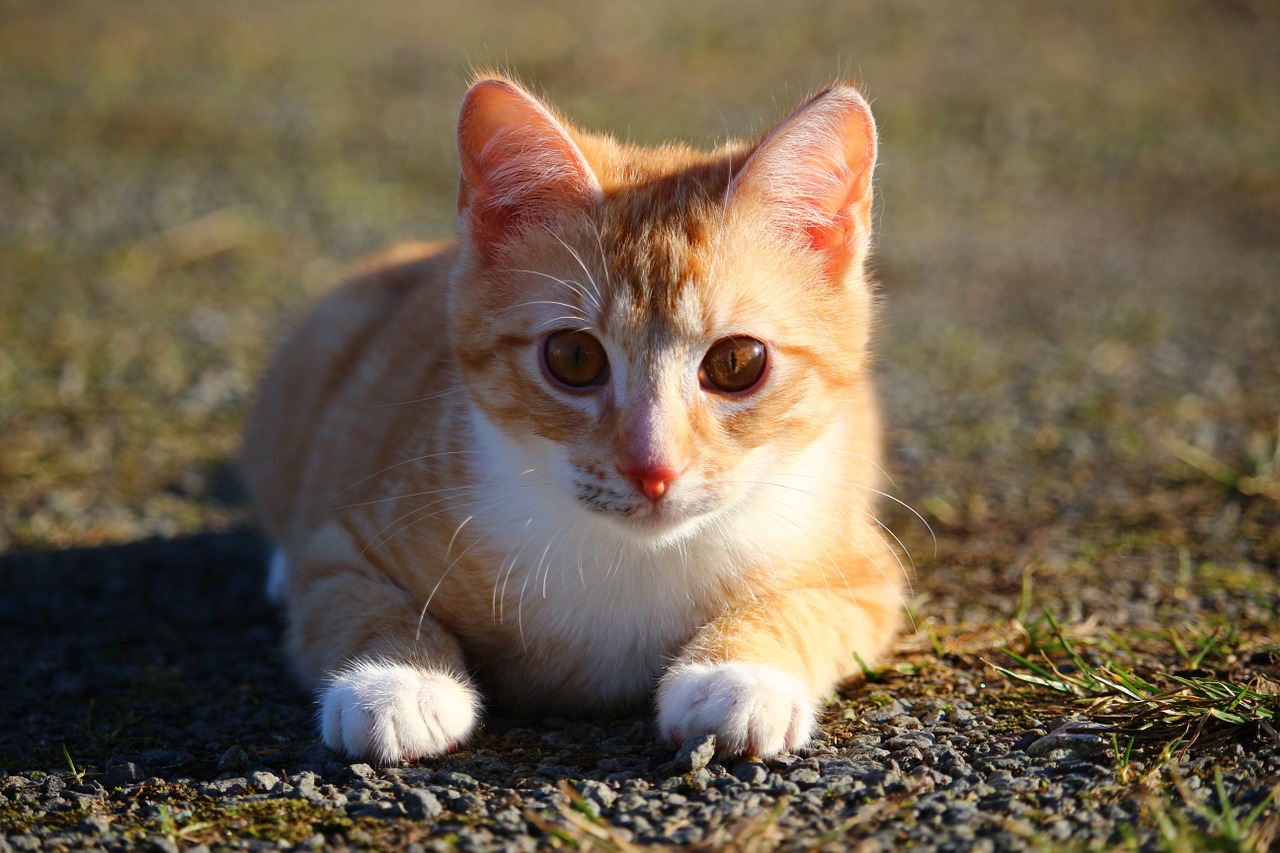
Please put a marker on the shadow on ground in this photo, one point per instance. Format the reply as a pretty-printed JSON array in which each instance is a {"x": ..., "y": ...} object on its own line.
[{"x": 148, "y": 651}]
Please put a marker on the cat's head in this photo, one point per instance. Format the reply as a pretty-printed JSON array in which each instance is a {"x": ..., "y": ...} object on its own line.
[{"x": 659, "y": 329}]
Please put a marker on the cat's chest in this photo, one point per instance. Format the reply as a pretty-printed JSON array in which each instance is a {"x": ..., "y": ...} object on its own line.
[
  {"x": 564, "y": 632},
  {"x": 564, "y": 606}
]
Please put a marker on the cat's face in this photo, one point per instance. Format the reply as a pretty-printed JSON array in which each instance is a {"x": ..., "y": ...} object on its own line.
[{"x": 660, "y": 349}]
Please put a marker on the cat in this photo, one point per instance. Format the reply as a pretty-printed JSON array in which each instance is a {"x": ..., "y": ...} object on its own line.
[{"x": 615, "y": 444}]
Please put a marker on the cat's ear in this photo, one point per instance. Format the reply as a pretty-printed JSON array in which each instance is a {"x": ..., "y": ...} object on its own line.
[
  {"x": 519, "y": 165},
  {"x": 812, "y": 174}
]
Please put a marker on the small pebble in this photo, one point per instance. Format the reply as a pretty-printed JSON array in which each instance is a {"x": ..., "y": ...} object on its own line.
[
  {"x": 121, "y": 775},
  {"x": 695, "y": 753},
  {"x": 421, "y": 804},
  {"x": 263, "y": 781},
  {"x": 234, "y": 759}
]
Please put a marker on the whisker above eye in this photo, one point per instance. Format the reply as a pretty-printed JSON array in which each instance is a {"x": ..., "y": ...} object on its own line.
[
  {"x": 566, "y": 305},
  {"x": 590, "y": 278},
  {"x": 556, "y": 321},
  {"x": 576, "y": 287}
]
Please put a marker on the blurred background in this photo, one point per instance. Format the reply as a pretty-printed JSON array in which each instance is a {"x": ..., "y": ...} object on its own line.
[{"x": 1079, "y": 241}]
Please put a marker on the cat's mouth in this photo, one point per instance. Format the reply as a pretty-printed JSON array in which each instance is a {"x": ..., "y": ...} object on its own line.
[{"x": 634, "y": 511}]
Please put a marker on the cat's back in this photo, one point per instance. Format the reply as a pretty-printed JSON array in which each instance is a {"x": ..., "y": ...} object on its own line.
[{"x": 331, "y": 372}]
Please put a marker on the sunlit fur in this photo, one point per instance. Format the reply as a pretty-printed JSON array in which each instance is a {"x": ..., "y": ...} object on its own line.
[{"x": 442, "y": 503}]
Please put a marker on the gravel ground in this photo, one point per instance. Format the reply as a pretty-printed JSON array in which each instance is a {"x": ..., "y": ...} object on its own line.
[{"x": 1080, "y": 363}]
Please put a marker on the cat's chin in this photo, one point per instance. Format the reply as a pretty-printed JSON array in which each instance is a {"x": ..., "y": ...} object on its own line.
[{"x": 656, "y": 525}]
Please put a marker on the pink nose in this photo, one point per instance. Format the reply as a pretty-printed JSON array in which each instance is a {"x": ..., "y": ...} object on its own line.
[{"x": 651, "y": 480}]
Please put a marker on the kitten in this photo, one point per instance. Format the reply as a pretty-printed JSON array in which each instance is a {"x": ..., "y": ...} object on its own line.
[{"x": 618, "y": 437}]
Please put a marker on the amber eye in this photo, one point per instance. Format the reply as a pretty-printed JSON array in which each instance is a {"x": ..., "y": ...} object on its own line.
[
  {"x": 733, "y": 365},
  {"x": 575, "y": 358}
]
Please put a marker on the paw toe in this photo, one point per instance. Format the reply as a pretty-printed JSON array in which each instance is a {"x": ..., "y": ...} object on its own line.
[
  {"x": 394, "y": 712},
  {"x": 752, "y": 709}
]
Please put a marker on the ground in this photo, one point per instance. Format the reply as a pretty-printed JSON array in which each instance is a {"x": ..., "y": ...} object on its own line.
[{"x": 1079, "y": 259}]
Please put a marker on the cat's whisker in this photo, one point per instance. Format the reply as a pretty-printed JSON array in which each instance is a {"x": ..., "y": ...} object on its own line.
[
  {"x": 556, "y": 321},
  {"x": 423, "y": 399},
  {"x": 409, "y": 461},
  {"x": 728, "y": 537},
  {"x": 866, "y": 513},
  {"x": 524, "y": 586},
  {"x": 575, "y": 286},
  {"x": 616, "y": 562},
  {"x": 393, "y": 498},
  {"x": 801, "y": 529},
  {"x": 588, "y": 294},
  {"x": 546, "y": 574},
  {"x": 505, "y": 570},
  {"x": 378, "y": 540},
  {"x": 856, "y": 507},
  {"x": 906, "y": 576},
  {"x": 445, "y": 574},
  {"x": 844, "y": 452},
  {"x": 483, "y": 506},
  {"x": 508, "y": 565},
  {"x": 604, "y": 260},
  {"x": 581, "y": 263},
  {"x": 903, "y": 600},
  {"x": 852, "y": 506},
  {"x": 556, "y": 302},
  {"x": 883, "y": 494}
]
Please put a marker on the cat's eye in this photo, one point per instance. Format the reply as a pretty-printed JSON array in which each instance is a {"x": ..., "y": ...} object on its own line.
[
  {"x": 575, "y": 358},
  {"x": 734, "y": 365}
]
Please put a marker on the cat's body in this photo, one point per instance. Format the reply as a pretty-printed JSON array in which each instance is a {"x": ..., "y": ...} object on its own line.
[{"x": 527, "y": 465}]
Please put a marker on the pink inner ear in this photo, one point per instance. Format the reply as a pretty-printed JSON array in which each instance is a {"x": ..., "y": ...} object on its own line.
[
  {"x": 519, "y": 166},
  {"x": 814, "y": 172}
]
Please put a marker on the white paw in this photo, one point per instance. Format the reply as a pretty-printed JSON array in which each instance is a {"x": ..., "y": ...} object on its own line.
[
  {"x": 388, "y": 712},
  {"x": 752, "y": 709}
]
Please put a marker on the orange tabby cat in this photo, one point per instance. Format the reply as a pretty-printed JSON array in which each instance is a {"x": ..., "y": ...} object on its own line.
[{"x": 618, "y": 436}]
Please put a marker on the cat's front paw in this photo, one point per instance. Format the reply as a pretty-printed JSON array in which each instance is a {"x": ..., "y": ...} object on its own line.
[
  {"x": 389, "y": 712},
  {"x": 752, "y": 709}
]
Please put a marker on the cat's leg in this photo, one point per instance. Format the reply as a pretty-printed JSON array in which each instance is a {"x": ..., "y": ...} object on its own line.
[
  {"x": 392, "y": 680},
  {"x": 278, "y": 577},
  {"x": 756, "y": 677}
]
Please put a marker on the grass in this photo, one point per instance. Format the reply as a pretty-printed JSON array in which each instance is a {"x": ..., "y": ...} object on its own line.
[
  {"x": 1212, "y": 827},
  {"x": 77, "y": 773},
  {"x": 1156, "y": 708}
]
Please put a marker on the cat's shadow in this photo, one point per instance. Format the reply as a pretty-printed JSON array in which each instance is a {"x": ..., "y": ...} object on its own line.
[{"x": 162, "y": 647}]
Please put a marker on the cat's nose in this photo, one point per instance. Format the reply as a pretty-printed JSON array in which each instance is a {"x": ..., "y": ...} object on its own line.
[{"x": 652, "y": 481}]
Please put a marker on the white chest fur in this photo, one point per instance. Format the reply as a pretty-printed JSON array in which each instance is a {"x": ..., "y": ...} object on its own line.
[
  {"x": 580, "y": 603},
  {"x": 577, "y": 602}
]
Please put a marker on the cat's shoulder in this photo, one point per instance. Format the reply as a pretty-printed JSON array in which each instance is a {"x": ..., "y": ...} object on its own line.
[{"x": 403, "y": 267}]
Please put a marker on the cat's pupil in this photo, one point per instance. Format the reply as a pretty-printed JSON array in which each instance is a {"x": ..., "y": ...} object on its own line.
[
  {"x": 734, "y": 365},
  {"x": 575, "y": 358}
]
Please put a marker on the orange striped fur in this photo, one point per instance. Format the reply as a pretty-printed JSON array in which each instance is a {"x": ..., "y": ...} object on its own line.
[{"x": 457, "y": 527}]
